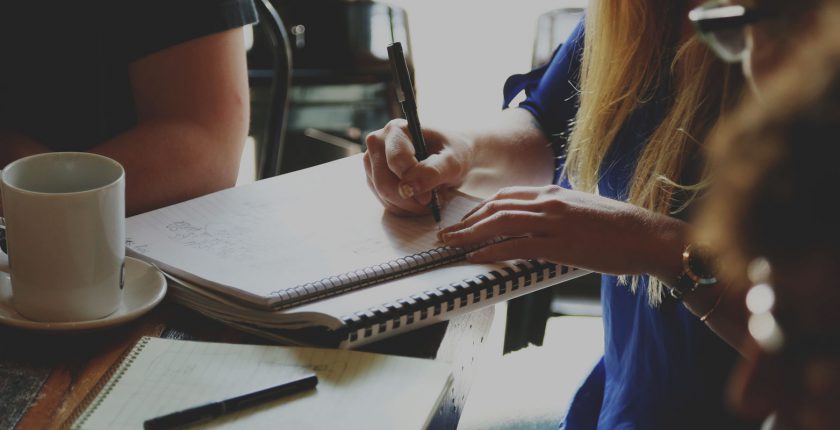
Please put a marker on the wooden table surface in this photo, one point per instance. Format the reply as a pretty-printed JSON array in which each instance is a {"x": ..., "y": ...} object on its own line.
[{"x": 44, "y": 376}]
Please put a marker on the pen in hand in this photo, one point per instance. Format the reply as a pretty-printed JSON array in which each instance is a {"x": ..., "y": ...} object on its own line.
[
  {"x": 209, "y": 411},
  {"x": 405, "y": 95}
]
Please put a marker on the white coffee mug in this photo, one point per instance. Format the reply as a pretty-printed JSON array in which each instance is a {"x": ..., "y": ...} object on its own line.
[{"x": 65, "y": 235}]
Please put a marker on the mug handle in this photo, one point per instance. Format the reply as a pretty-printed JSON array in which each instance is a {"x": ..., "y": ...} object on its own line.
[
  {"x": 3, "y": 235},
  {"x": 4, "y": 257}
]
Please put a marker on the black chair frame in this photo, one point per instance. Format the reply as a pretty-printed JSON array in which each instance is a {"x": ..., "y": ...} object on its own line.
[{"x": 270, "y": 152}]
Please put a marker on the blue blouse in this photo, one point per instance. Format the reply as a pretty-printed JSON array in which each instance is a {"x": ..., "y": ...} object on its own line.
[{"x": 662, "y": 368}]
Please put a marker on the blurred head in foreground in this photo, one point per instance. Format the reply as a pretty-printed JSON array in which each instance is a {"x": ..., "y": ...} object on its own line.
[
  {"x": 771, "y": 213},
  {"x": 760, "y": 34}
]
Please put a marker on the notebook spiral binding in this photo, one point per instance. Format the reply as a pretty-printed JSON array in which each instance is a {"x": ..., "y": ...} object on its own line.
[
  {"x": 100, "y": 392},
  {"x": 371, "y": 275},
  {"x": 431, "y": 303}
]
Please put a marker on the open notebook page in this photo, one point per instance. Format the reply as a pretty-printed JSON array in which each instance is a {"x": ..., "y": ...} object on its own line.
[
  {"x": 283, "y": 232},
  {"x": 355, "y": 389}
]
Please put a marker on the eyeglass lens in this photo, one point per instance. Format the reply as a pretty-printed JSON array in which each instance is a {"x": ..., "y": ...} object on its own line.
[{"x": 729, "y": 44}]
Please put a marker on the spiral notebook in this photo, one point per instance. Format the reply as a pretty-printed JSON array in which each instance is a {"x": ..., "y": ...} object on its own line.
[
  {"x": 314, "y": 248},
  {"x": 355, "y": 389}
]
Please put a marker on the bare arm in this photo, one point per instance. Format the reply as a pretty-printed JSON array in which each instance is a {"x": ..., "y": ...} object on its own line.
[
  {"x": 608, "y": 236},
  {"x": 511, "y": 150},
  {"x": 14, "y": 145},
  {"x": 664, "y": 239},
  {"x": 596, "y": 233},
  {"x": 192, "y": 108},
  {"x": 720, "y": 303},
  {"x": 728, "y": 318}
]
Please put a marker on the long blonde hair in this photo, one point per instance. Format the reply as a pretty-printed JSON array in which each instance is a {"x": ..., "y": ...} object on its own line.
[{"x": 633, "y": 54}]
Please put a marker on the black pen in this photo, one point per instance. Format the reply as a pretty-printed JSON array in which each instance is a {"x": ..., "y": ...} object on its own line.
[
  {"x": 212, "y": 410},
  {"x": 405, "y": 95}
]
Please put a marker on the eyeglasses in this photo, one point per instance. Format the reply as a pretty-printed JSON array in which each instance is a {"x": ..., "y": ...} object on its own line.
[
  {"x": 721, "y": 26},
  {"x": 764, "y": 326}
]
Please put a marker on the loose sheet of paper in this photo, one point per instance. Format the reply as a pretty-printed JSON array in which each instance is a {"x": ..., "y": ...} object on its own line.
[
  {"x": 355, "y": 389},
  {"x": 284, "y": 232}
]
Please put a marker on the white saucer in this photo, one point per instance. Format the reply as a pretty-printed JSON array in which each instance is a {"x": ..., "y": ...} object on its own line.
[{"x": 145, "y": 287}]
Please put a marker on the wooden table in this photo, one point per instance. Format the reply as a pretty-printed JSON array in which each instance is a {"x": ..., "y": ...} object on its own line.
[{"x": 44, "y": 376}]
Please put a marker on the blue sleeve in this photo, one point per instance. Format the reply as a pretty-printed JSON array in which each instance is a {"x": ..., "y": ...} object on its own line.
[{"x": 552, "y": 92}]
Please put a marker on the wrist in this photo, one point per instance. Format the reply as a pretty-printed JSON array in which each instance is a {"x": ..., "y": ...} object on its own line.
[
  {"x": 704, "y": 301},
  {"x": 666, "y": 252},
  {"x": 697, "y": 272},
  {"x": 467, "y": 152}
]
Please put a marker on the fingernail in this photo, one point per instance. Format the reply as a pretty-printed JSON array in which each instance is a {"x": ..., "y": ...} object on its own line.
[{"x": 406, "y": 191}]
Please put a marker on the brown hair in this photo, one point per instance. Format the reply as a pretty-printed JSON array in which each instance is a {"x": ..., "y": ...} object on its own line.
[{"x": 775, "y": 162}]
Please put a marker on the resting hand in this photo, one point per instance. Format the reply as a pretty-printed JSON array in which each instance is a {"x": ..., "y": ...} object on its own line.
[
  {"x": 570, "y": 227},
  {"x": 403, "y": 184}
]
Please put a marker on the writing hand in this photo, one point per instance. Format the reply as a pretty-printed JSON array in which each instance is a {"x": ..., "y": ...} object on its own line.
[{"x": 398, "y": 180}]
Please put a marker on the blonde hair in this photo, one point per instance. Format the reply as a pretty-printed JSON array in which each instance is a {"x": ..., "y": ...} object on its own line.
[{"x": 632, "y": 55}]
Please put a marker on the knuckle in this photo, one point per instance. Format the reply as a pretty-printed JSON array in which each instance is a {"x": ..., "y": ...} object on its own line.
[
  {"x": 451, "y": 164},
  {"x": 555, "y": 205},
  {"x": 394, "y": 125},
  {"x": 503, "y": 217},
  {"x": 552, "y": 189},
  {"x": 393, "y": 143},
  {"x": 419, "y": 182},
  {"x": 501, "y": 193},
  {"x": 374, "y": 142},
  {"x": 387, "y": 195},
  {"x": 507, "y": 190},
  {"x": 494, "y": 206},
  {"x": 431, "y": 170}
]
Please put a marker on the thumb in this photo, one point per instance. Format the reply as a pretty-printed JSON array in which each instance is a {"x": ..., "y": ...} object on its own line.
[{"x": 436, "y": 170}]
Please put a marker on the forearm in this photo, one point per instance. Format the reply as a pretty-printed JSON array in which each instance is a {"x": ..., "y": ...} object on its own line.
[
  {"x": 192, "y": 110},
  {"x": 14, "y": 145},
  {"x": 512, "y": 150},
  {"x": 168, "y": 162},
  {"x": 724, "y": 311},
  {"x": 669, "y": 237}
]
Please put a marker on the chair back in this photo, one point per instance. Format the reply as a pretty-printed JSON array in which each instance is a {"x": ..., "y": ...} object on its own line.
[
  {"x": 553, "y": 27},
  {"x": 270, "y": 40}
]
